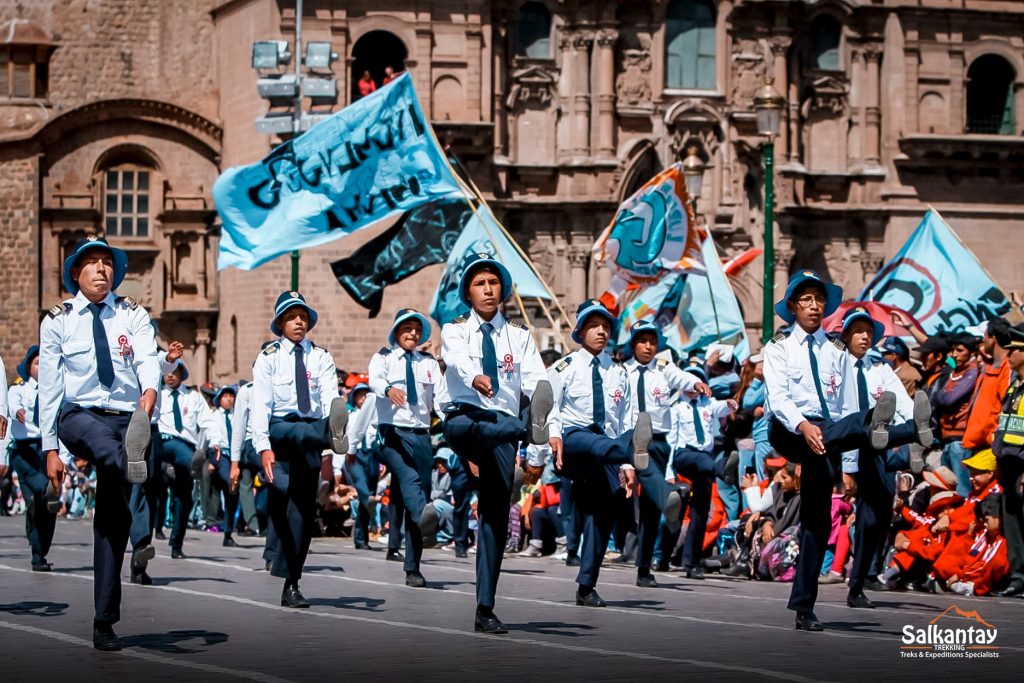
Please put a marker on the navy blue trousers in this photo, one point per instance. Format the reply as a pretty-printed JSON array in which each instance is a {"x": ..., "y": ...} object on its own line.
[
  {"x": 462, "y": 494},
  {"x": 699, "y": 468},
  {"x": 362, "y": 474},
  {"x": 489, "y": 440},
  {"x": 409, "y": 456},
  {"x": 221, "y": 481},
  {"x": 145, "y": 499},
  {"x": 591, "y": 459},
  {"x": 178, "y": 453},
  {"x": 98, "y": 438},
  {"x": 297, "y": 444},
  {"x": 655, "y": 489},
  {"x": 572, "y": 521},
  {"x": 28, "y": 462}
]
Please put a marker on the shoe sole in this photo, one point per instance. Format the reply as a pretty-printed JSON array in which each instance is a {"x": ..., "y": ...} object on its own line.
[
  {"x": 885, "y": 410},
  {"x": 429, "y": 520},
  {"x": 673, "y": 506},
  {"x": 641, "y": 440},
  {"x": 338, "y": 421},
  {"x": 198, "y": 460},
  {"x": 923, "y": 420},
  {"x": 810, "y": 629},
  {"x": 136, "y": 441},
  {"x": 583, "y": 603},
  {"x": 731, "y": 468},
  {"x": 302, "y": 606},
  {"x": 541, "y": 403},
  {"x": 323, "y": 490},
  {"x": 52, "y": 499},
  {"x": 140, "y": 560},
  {"x": 492, "y": 632}
]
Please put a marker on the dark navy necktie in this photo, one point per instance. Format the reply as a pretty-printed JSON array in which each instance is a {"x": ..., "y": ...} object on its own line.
[
  {"x": 104, "y": 364},
  {"x": 862, "y": 386},
  {"x": 178, "y": 424},
  {"x": 35, "y": 410},
  {"x": 597, "y": 387},
  {"x": 301, "y": 381},
  {"x": 227, "y": 425},
  {"x": 490, "y": 359},
  {"x": 698, "y": 424},
  {"x": 641, "y": 390},
  {"x": 411, "y": 394},
  {"x": 817, "y": 379}
]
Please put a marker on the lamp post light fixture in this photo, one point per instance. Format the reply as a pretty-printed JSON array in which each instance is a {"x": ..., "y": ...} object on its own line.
[
  {"x": 693, "y": 173},
  {"x": 768, "y": 105}
]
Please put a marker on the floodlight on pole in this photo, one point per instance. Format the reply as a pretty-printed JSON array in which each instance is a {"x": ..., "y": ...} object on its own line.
[
  {"x": 270, "y": 54},
  {"x": 320, "y": 55}
]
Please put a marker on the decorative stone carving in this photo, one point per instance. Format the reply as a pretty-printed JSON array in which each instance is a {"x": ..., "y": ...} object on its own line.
[
  {"x": 749, "y": 68},
  {"x": 532, "y": 84},
  {"x": 829, "y": 97},
  {"x": 633, "y": 84},
  {"x": 578, "y": 256}
]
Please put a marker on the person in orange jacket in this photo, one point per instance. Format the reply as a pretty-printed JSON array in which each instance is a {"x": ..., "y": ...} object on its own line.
[
  {"x": 982, "y": 471},
  {"x": 918, "y": 547},
  {"x": 976, "y": 562},
  {"x": 989, "y": 392}
]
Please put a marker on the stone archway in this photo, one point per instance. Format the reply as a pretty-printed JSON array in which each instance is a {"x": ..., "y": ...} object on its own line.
[{"x": 374, "y": 52}]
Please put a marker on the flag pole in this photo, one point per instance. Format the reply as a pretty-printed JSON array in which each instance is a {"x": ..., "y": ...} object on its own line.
[
  {"x": 522, "y": 309},
  {"x": 557, "y": 326}
]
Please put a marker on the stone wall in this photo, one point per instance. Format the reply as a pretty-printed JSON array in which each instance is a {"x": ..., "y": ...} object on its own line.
[{"x": 19, "y": 254}]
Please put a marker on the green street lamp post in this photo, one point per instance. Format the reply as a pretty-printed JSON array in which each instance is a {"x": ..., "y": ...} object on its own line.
[{"x": 768, "y": 105}]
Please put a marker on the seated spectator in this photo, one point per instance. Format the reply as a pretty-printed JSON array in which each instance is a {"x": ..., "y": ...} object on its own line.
[
  {"x": 778, "y": 511},
  {"x": 951, "y": 402},
  {"x": 977, "y": 562},
  {"x": 838, "y": 547}
]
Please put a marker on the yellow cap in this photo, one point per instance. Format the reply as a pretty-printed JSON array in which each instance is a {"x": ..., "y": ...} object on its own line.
[{"x": 984, "y": 461}]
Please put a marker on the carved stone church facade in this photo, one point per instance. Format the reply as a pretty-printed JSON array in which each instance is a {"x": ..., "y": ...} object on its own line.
[{"x": 118, "y": 116}]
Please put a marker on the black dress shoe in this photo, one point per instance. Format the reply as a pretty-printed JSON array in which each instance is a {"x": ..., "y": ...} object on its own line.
[
  {"x": 875, "y": 585},
  {"x": 461, "y": 552},
  {"x": 646, "y": 581},
  {"x": 230, "y": 542},
  {"x": 859, "y": 601},
  {"x": 160, "y": 536},
  {"x": 178, "y": 555},
  {"x": 362, "y": 546},
  {"x": 395, "y": 556},
  {"x": 104, "y": 638},
  {"x": 807, "y": 621},
  {"x": 695, "y": 573},
  {"x": 291, "y": 596},
  {"x": 141, "y": 578},
  {"x": 42, "y": 567},
  {"x": 590, "y": 599},
  {"x": 660, "y": 566},
  {"x": 489, "y": 623},
  {"x": 266, "y": 567},
  {"x": 572, "y": 561},
  {"x": 415, "y": 580},
  {"x": 1015, "y": 588},
  {"x": 248, "y": 533}
]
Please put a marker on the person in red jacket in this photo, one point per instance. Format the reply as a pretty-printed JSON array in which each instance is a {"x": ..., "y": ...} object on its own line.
[
  {"x": 922, "y": 544},
  {"x": 977, "y": 562},
  {"x": 982, "y": 471},
  {"x": 990, "y": 390}
]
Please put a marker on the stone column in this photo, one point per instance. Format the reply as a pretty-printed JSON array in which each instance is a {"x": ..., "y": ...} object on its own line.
[
  {"x": 566, "y": 104},
  {"x": 872, "y": 111},
  {"x": 578, "y": 255},
  {"x": 606, "y": 93},
  {"x": 500, "y": 87},
  {"x": 202, "y": 352},
  {"x": 780, "y": 72},
  {"x": 854, "y": 150},
  {"x": 581, "y": 95}
]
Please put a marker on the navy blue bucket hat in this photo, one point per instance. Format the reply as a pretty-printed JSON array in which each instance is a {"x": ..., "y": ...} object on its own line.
[
  {"x": 861, "y": 313},
  {"x": 410, "y": 314},
  {"x": 23, "y": 366},
  {"x": 291, "y": 300},
  {"x": 94, "y": 242},
  {"x": 833, "y": 294},
  {"x": 474, "y": 264},
  {"x": 588, "y": 308}
]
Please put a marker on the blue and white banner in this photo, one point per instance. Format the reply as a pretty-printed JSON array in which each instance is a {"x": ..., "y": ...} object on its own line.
[
  {"x": 373, "y": 159},
  {"x": 483, "y": 233},
  {"x": 937, "y": 279}
]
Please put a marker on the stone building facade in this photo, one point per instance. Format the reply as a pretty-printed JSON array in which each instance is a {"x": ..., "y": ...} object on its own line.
[{"x": 117, "y": 116}]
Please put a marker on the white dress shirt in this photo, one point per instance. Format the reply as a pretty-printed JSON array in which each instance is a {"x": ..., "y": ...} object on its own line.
[
  {"x": 572, "y": 384},
  {"x": 217, "y": 429},
  {"x": 362, "y": 427},
  {"x": 241, "y": 425},
  {"x": 67, "y": 359},
  {"x": 165, "y": 369},
  {"x": 387, "y": 369},
  {"x": 661, "y": 380},
  {"x": 196, "y": 415},
  {"x": 519, "y": 363},
  {"x": 23, "y": 397},
  {"x": 274, "y": 392},
  {"x": 684, "y": 430},
  {"x": 790, "y": 392},
  {"x": 880, "y": 377}
]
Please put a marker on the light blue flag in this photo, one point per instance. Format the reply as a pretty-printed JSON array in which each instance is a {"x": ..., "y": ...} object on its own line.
[
  {"x": 483, "y": 234},
  {"x": 373, "y": 159},
  {"x": 937, "y": 279}
]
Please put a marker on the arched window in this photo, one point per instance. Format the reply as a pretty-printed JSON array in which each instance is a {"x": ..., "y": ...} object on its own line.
[
  {"x": 126, "y": 201},
  {"x": 377, "y": 57},
  {"x": 533, "y": 31},
  {"x": 990, "y": 96},
  {"x": 690, "y": 45},
  {"x": 825, "y": 33}
]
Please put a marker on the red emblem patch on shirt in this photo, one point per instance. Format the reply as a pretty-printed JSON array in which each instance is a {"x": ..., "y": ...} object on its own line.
[{"x": 618, "y": 396}]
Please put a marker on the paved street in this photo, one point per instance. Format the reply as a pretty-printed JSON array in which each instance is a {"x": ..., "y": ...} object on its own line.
[{"x": 213, "y": 616}]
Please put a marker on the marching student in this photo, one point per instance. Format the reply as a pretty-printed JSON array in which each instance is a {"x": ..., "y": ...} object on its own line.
[
  {"x": 407, "y": 384},
  {"x": 591, "y": 401},
  {"x": 98, "y": 381},
  {"x": 297, "y": 414},
  {"x": 695, "y": 421},
  {"x": 811, "y": 400},
  {"x": 184, "y": 415},
  {"x": 491, "y": 363},
  {"x": 361, "y": 467},
  {"x": 652, "y": 384},
  {"x": 875, "y": 484},
  {"x": 42, "y": 502},
  {"x": 220, "y": 432}
]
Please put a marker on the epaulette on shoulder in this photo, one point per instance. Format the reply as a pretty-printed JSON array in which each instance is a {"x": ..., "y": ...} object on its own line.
[
  {"x": 384, "y": 350},
  {"x": 461, "y": 319},
  {"x": 838, "y": 343},
  {"x": 662, "y": 362},
  {"x": 58, "y": 309},
  {"x": 516, "y": 323},
  {"x": 128, "y": 301},
  {"x": 563, "y": 364},
  {"x": 779, "y": 337},
  {"x": 427, "y": 354},
  {"x": 318, "y": 346},
  {"x": 271, "y": 349},
  {"x": 17, "y": 380}
]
